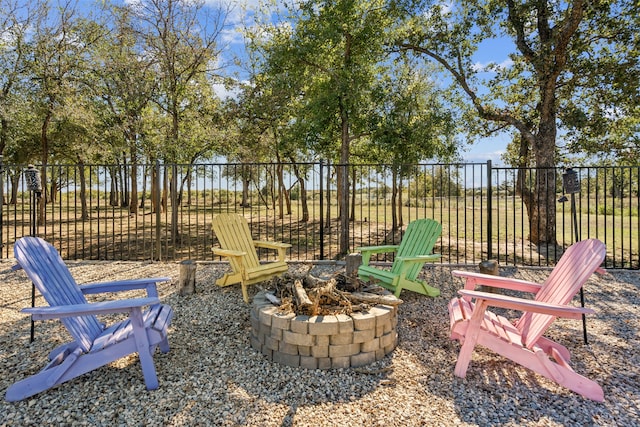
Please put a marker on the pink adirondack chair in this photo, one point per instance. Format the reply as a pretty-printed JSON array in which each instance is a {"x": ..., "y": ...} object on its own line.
[{"x": 522, "y": 341}]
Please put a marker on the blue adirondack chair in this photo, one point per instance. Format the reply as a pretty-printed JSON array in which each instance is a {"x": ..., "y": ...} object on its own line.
[{"x": 93, "y": 344}]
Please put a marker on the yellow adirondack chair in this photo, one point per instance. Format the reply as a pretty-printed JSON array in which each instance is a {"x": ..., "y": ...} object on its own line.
[
  {"x": 414, "y": 250},
  {"x": 237, "y": 244}
]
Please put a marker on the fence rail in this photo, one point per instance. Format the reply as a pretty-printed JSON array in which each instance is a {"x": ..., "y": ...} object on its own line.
[{"x": 94, "y": 211}]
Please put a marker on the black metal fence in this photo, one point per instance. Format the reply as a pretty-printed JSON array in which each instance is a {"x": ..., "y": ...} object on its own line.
[{"x": 94, "y": 212}]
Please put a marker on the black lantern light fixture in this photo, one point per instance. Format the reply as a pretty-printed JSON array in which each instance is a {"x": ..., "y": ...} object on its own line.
[
  {"x": 32, "y": 177},
  {"x": 570, "y": 181}
]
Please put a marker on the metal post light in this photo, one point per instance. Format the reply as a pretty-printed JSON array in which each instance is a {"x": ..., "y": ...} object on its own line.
[
  {"x": 1, "y": 202},
  {"x": 571, "y": 185},
  {"x": 34, "y": 185}
]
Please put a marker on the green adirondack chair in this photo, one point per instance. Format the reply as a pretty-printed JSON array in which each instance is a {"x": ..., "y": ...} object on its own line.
[{"x": 414, "y": 250}]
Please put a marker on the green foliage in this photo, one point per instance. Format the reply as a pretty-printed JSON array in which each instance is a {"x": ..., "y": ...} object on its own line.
[
  {"x": 571, "y": 64},
  {"x": 85, "y": 79},
  {"x": 441, "y": 182},
  {"x": 616, "y": 211},
  {"x": 569, "y": 67}
]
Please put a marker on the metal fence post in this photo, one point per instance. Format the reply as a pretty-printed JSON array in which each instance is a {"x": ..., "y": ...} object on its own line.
[
  {"x": 489, "y": 212},
  {"x": 157, "y": 202},
  {"x": 321, "y": 210},
  {"x": 1, "y": 205},
  {"x": 174, "y": 206}
]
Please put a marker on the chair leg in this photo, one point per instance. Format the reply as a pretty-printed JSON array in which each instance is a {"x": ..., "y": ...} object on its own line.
[
  {"x": 49, "y": 376},
  {"x": 28, "y": 387},
  {"x": 245, "y": 292},
  {"x": 562, "y": 373},
  {"x": 144, "y": 350},
  {"x": 430, "y": 290},
  {"x": 416, "y": 286},
  {"x": 472, "y": 335},
  {"x": 464, "y": 358},
  {"x": 164, "y": 345}
]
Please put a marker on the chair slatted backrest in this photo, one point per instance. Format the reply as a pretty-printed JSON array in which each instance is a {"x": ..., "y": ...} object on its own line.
[
  {"x": 419, "y": 239},
  {"x": 573, "y": 270},
  {"x": 232, "y": 231},
  {"x": 48, "y": 272}
]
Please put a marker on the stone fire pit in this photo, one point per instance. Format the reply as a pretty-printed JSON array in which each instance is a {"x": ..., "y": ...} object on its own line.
[{"x": 323, "y": 341}]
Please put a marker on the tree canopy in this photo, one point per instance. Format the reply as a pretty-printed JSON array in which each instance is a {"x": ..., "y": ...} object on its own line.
[{"x": 560, "y": 93}]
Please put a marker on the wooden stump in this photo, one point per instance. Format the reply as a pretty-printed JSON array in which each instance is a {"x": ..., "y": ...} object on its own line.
[
  {"x": 489, "y": 266},
  {"x": 353, "y": 262},
  {"x": 187, "y": 279}
]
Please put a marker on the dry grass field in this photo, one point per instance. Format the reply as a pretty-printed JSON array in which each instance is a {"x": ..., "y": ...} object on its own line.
[{"x": 112, "y": 233}]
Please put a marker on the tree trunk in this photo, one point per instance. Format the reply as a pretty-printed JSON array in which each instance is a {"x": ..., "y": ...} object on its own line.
[
  {"x": 400, "y": 201},
  {"x": 282, "y": 192},
  {"x": 174, "y": 204},
  {"x": 164, "y": 200},
  {"x": 155, "y": 190},
  {"x": 44, "y": 140},
  {"x": 303, "y": 192},
  {"x": 543, "y": 210},
  {"x": 394, "y": 195},
  {"x": 113, "y": 188},
  {"x": 189, "y": 183},
  {"x": 343, "y": 185},
  {"x": 124, "y": 182},
  {"x": 15, "y": 179},
  {"x": 4, "y": 126},
  {"x": 352, "y": 214},
  {"x": 133, "y": 201},
  {"x": 83, "y": 191},
  {"x": 245, "y": 192},
  {"x": 328, "y": 201},
  {"x": 145, "y": 173}
]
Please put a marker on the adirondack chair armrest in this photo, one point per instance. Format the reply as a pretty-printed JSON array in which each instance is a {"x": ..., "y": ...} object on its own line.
[
  {"x": 378, "y": 249},
  {"x": 473, "y": 279},
  {"x": 420, "y": 258},
  {"x": 521, "y": 304},
  {"x": 125, "y": 285},
  {"x": 367, "y": 251},
  {"x": 96, "y": 308},
  {"x": 229, "y": 253},
  {"x": 279, "y": 246},
  {"x": 271, "y": 245}
]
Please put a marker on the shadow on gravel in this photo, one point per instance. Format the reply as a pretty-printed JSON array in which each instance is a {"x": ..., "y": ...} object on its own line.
[{"x": 212, "y": 376}]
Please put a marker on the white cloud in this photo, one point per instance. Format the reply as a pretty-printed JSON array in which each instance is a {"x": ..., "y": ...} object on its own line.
[
  {"x": 224, "y": 92},
  {"x": 232, "y": 36},
  {"x": 480, "y": 156},
  {"x": 492, "y": 67}
]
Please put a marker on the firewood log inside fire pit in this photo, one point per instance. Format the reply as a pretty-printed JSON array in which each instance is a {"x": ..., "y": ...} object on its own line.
[{"x": 312, "y": 296}]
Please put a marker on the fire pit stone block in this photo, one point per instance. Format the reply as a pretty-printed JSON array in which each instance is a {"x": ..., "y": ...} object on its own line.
[
  {"x": 300, "y": 324},
  {"x": 323, "y": 325},
  {"x": 282, "y": 321},
  {"x": 323, "y": 342}
]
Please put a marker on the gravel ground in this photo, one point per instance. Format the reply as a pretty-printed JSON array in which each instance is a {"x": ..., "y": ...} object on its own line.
[{"x": 212, "y": 376}]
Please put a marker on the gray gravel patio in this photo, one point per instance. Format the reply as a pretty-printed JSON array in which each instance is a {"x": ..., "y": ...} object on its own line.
[{"x": 212, "y": 376}]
